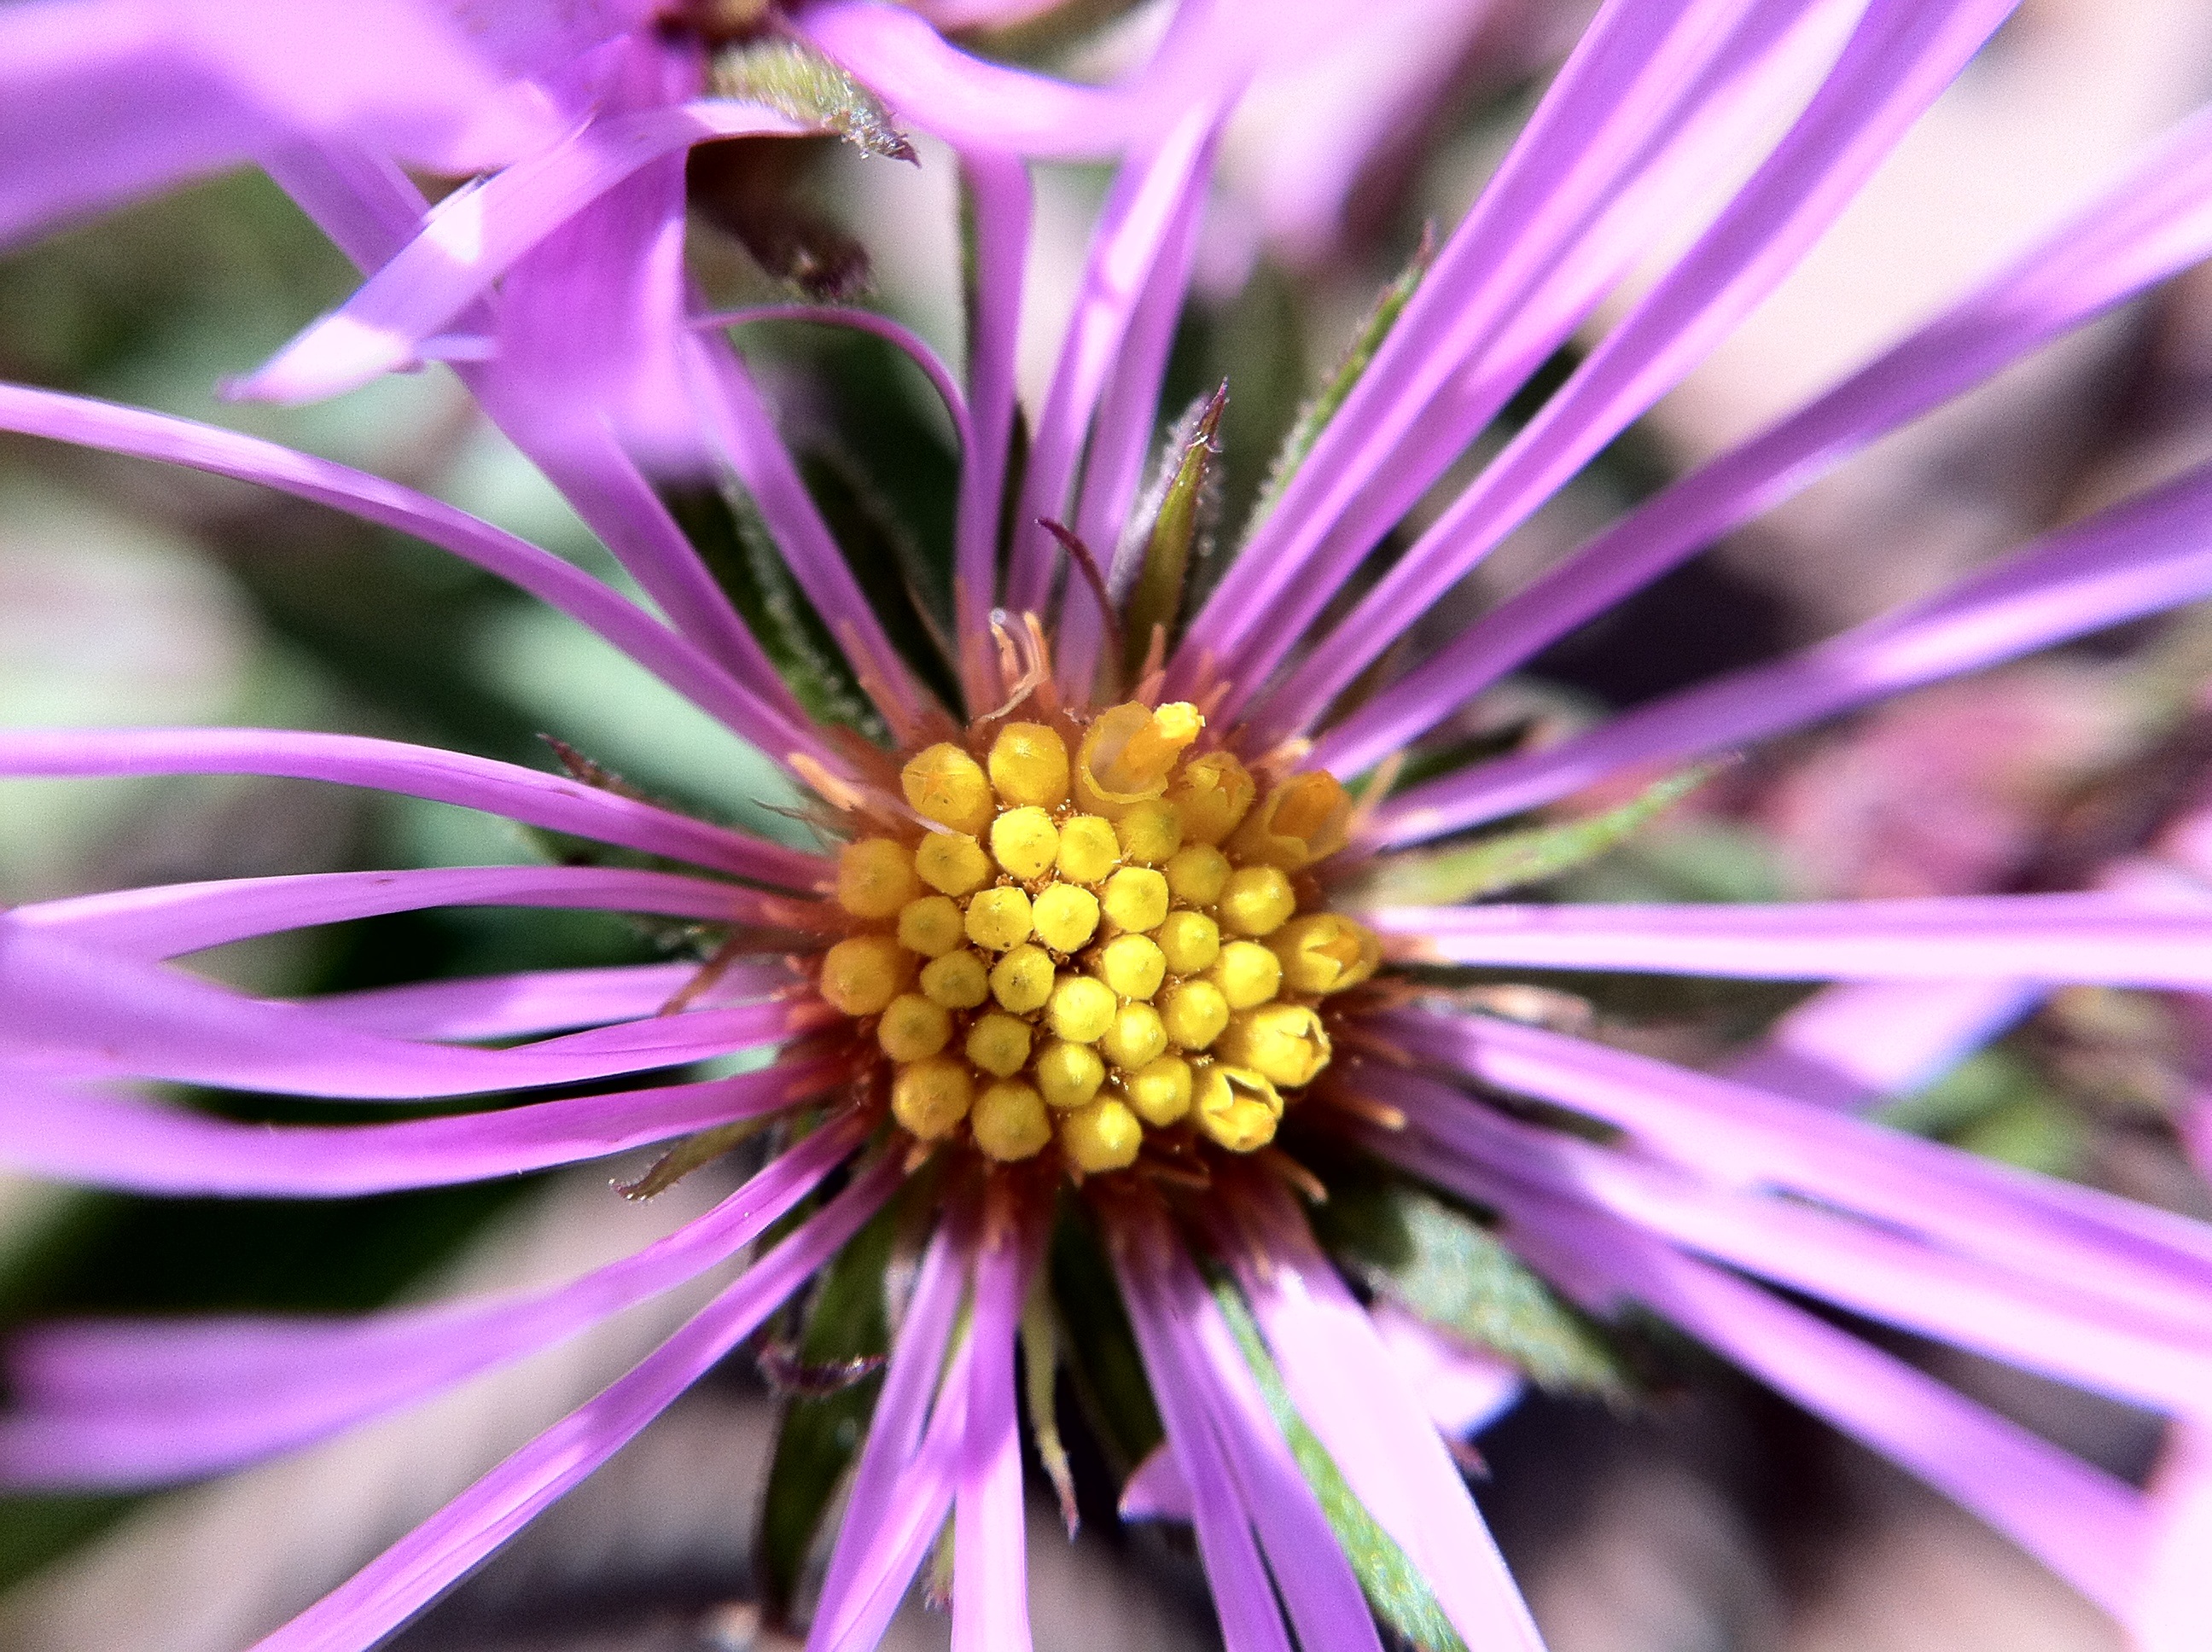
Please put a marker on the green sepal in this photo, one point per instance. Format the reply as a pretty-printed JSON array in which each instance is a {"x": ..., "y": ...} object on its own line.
[
  {"x": 1510, "y": 860},
  {"x": 793, "y": 78},
  {"x": 1314, "y": 417},
  {"x": 1449, "y": 1269},
  {"x": 1104, "y": 1367},
  {"x": 1040, "y": 1341},
  {"x": 700, "y": 1148},
  {"x": 1392, "y": 1584},
  {"x": 1188, "y": 497}
]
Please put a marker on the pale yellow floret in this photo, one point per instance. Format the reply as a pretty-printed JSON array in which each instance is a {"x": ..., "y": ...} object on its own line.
[
  {"x": 1194, "y": 1012},
  {"x": 957, "y": 981},
  {"x": 1247, "y": 972},
  {"x": 931, "y": 1098},
  {"x": 1195, "y": 874},
  {"x": 1137, "y": 1036},
  {"x": 999, "y": 918},
  {"x": 1133, "y": 965},
  {"x": 1104, "y": 1136},
  {"x": 1297, "y": 823},
  {"x": 1068, "y": 1075},
  {"x": 1324, "y": 952},
  {"x": 913, "y": 1027},
  {"x": 1065, "y": 917},
  {"x": 1009, "y": 1122},
  {"x": 1150, "y": 833},
  {"x": 862, "y": 975},
  {"x": 1128, "y": 751},
  {"x": 945, "y": 784},
  {"x": 931, "y": 925},
  {"x": 999, "y": 1044},
  {"x": 1237, "y": 1109},
  {"x": 1253, "y": 901},
  {"x": 1136, "y": 898},
  {"x": 1088, "y": 848},
  {"x": 1025, "y": 843},
  {"x": 952, "y": 863},
  {"x": 1212, "y": 794},
  {"x": 1080, "y": 1009},
  {"x": 1284, "y": 1043},
  {"x": 875, "y": 877},
  {"x": 1160, "y": 1090},
  {"x": 1189, "y": 941},
  {"x": 1022, "y": 981},
  {"x": 1028, "y": 765}
]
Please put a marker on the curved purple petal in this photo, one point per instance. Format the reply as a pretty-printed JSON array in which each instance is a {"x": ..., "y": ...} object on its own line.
[
  {"x": 529, "y": 1002},
  {"x": 998, "y": 187},
  {"x": 990, "y": 1569},
  {"x": 1852, "y": 1046}
]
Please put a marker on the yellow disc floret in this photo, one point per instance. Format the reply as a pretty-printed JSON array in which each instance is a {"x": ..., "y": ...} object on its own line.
[{"x": 1090, "y": 929}]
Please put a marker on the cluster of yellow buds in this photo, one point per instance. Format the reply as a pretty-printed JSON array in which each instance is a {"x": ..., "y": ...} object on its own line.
[{"x": 1082, "y": 948}]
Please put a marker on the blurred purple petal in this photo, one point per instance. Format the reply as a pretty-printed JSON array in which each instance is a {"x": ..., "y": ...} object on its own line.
[{"x": 1852, "y": 1046}]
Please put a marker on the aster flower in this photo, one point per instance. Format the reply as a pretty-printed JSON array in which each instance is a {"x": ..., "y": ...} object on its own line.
[{"x": 1110, "y": 944}]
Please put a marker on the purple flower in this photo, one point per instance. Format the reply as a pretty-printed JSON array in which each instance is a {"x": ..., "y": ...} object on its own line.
[{"x": 1112, "y": 924}]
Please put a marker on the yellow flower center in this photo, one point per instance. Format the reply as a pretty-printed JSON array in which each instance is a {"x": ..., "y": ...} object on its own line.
[{"x": 1096, "y": 935}]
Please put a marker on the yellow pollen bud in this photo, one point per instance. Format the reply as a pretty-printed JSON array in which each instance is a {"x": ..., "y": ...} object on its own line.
[
  {"x": 1088, "y": 849},
  {"x": 1197, "y": 873},
  {"x": 1160, "y": 1090},
  {"x": 957, "y": 981},
  {"x": 1066, "y": 917},
  {"x": 875, "y": 877},
  {"x": 913, "y": 1027},
  {"x": 945, "y": 784},
  {"x": 1128, "y": 751},
  {"x": 1238, "y": 1109},
  {"x": 1137, "y": 899},
  {"x": 1028, "y": 765},
  {"x": 929, "y": 926},
  {"x": 1212, "y": 794},
  {"x": 1069, "y": 1074},
  {"x": 1300, "y": 821},
  {"x": 931, "y": 1098},
  {"x": 862, "y": 975},
  {"x": 1322, "y": 952},
  {"x": 1132, "y": 965},
  {"x": 1194, "y": 1012},
  {"x": 1022, "y": 981},
  {"x": 1025, "y": 843},
  {"x": 1080, "y": 1009},
  {"x": 1104, "y": 1136},
  {"x": 1247, "y": 972},
  {"x": 1009, "y": 1122},
  {"x": 953, "y": 862},
  {"x": 1189, "y": 941},
  {"x": 1150, "y": 834},
  {"x": 1284, "y": 1042},
  {"x": 999, "y": 1044},
  {"x": 999, "y": 918},
  {"x": 1138, "y": 1036},
  {"x": 1253, "y": 901}
]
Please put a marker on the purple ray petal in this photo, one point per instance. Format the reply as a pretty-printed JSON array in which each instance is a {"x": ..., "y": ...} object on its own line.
[
  {"x": 990, "y": 1569},
  {"x": 1654, "y": 103},
  {"x": 2156, "y": 222},
  {"x": 169, "y": 919},
  {"x": 73, "y": 1012},
  {"x": 473, "y": 236},
  {"x": 122, "y": 1404},
  {"x": 1850, "y": 1046},
  {"x": 553, "y": 802},
  {"x": 1903, "y": 54},
  {"x": 2050, "y": 938},
  {"x": 358, "y": 197},
  {"x": 1243, "y": 1598},
  {"x": 998, "y": 187},
  {"x": 2089, "y": 1527},
  {"x": 103, "y": 1141},
  {"x": 2138, "y": 558},
  {"x": 443, "y": 1549},
  {"x": 1352, "y": 1394},
  {"x": 529, "y": 1002},
  {"x": 1463, "y": 1389},
  {"x": 678, "y": 663},
  {"x": 1155, "y": 1489},
  {"x": 2176, "y": 1600},
  {"x": 904, "y": 339}
]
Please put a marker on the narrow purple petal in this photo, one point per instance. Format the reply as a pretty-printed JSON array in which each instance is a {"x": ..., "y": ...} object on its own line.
[
  {"x": 530, "y": 1002},
  {"x": 2156, "y": 222},
  {"x": 1852, "y": 1046},
  {"x": 136, "y": 1404},
  {"x": 1463, "y": 1389},
  {"x": 415, "y": 1570},
  {"x": 680, "y": 664},
  {"x": 2048, "y": 938},
  {"x": 358, "y": 197},
  {"x": 2176, "y": 1602},
  {"x": 553, "y": 802},
  {"x": 990, "y": 1568},
  {"x": 998, "y": 187},
  {"x": 1155, "y": 1489},
  {"x": 2138, "y": 558}
]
